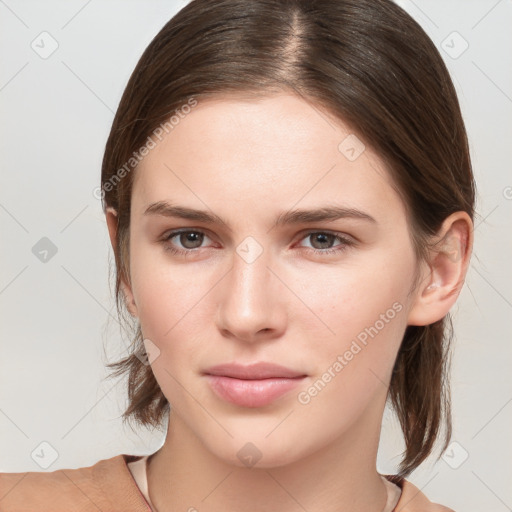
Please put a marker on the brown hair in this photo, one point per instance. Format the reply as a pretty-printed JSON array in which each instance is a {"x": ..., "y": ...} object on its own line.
[{"x": 368, "y": 63}]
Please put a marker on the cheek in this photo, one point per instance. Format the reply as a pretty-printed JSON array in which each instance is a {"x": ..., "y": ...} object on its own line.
[
  {"x": 161, "y": 289},
  {"x": 172, "y": 315},
  {"x": 361, "y": 318},
  {"x": 352, "y": 365},
  {"x": 173, "y": 306},
  {"x": 349, "y": 298},
  {"x": 169, "y": 303}
]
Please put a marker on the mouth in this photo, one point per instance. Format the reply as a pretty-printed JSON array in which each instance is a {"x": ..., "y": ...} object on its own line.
[{"x": 254, "y": 385}]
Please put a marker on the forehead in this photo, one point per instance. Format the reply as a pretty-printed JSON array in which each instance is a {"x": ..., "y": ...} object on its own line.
[{"x": 271, "y": 152}]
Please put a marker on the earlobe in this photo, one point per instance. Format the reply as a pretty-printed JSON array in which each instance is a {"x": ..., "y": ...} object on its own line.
[
  {"x": 111, "y": 217},
  {"x": 447, "y": 267}
]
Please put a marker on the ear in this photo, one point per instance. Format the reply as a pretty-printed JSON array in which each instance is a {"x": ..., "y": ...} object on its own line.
[
  {"x": 111, "y": 216},
  {"x": 444, "y": 272}
]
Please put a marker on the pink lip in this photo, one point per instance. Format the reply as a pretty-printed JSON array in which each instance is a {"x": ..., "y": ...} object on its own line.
[{"x": 254, "y": 385}]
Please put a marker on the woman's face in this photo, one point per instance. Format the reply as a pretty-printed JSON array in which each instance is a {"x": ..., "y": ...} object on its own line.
[{"x": 267, "y": 284}]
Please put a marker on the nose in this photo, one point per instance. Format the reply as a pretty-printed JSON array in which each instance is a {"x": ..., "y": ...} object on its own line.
[{"x": 252, "y": 301}]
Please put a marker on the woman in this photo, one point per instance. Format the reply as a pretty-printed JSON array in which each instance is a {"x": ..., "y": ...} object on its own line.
[{"x": 288, "y": 191}]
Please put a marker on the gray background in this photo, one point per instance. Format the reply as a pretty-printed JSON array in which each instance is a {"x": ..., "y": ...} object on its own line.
[{"x": 58, "y": 315}]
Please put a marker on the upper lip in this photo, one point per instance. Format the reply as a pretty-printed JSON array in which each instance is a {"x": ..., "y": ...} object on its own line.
[{"x": 254, "y": 371}]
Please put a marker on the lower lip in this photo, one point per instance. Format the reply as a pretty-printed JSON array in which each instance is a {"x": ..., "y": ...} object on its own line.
[{"x": 251, "y": 393}]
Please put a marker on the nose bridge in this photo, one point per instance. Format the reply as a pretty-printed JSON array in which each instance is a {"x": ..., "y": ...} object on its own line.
[{"x": 250, "y": 303}]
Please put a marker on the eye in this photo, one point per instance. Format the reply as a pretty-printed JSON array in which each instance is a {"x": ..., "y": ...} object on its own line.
[
  {"x": 189, "y": 240},
  {"x": 322, "y": 242},
  {"x": 192, "y": 240}
]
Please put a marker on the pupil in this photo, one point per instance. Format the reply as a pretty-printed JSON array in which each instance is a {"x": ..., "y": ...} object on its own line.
[
  {"x": 324, "y": 238},
  {"x": 191, "y": 237}
]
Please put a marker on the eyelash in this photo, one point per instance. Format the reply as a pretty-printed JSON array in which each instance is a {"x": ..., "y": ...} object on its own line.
[{"x": 345, "y": 242}]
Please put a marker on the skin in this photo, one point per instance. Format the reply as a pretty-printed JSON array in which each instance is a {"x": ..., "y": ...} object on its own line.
[{"x": 247, "y": 161}]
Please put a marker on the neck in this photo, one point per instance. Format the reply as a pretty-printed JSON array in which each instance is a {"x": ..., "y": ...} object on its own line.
[{"x": 341, "y": 476}]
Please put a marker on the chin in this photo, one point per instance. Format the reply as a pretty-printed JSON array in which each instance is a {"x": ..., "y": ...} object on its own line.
[{"x": 255, "y": 450}]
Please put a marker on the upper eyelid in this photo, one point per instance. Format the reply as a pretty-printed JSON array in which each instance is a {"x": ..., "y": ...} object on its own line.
[{"x": 174, "y": 232}]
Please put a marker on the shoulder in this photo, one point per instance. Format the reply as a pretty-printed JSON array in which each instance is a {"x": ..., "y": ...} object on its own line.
[
  {"x": 412, "y": 499},
  {"x": 106, "y": 485}
]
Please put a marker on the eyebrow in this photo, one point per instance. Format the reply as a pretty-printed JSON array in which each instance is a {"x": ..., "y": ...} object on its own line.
[{"x": 325, "y": 213}]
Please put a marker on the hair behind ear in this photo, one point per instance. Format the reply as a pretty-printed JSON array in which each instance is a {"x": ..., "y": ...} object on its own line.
[{"x": 420, "y": 390}]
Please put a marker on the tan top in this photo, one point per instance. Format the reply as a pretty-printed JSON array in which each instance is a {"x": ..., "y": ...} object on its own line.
[
  {"x": 138, "y": 469},
  {"x": 110, "y": 486}
]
